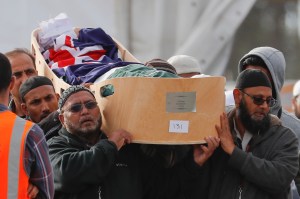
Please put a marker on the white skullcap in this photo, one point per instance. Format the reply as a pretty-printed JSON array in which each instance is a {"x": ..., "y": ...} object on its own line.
[
  {"x": 296, "y": 89},
  {"x": 185, "y": 64}
]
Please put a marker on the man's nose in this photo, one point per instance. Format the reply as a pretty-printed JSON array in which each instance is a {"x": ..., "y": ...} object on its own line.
[
  {"x": 45, "y": 107},
  {"x": 84, "y": 109},
  {"x": 264, "y": 105},
  {"x": 24, "y": 78}
]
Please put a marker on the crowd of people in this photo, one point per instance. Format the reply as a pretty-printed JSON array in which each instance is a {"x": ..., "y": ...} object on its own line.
[{"x": 52, "y": 145}]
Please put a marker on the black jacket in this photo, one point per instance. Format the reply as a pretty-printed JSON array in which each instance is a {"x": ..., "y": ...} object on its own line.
[
  {"x": 51, "y": 125},
  {"x": 81, "y": 171},
  {"x": 169, "y": 172},
  {"x": 265, "y": 172}
]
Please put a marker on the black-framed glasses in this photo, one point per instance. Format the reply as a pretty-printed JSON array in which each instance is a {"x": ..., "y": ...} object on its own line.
[
  {"x": 75, "y": 108},
  {"x": 260, "y": 101}
]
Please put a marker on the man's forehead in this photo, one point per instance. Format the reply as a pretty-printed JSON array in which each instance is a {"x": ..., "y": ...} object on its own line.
[
  {"x": 21, "y": 61},
  {"x": 40, "y": 92}
]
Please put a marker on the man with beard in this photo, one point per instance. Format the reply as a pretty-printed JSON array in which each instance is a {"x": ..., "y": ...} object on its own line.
[
  {"x": 272, "y": 62},
  {"x": 86, "y": 163},
  {"x": 40, "y": 104},
  {"x": 258, "y": 157}
]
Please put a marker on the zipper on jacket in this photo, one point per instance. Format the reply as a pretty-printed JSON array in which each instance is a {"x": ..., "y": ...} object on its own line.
[
  {"x": 99, "y": 191},
  {"x": 240, "y": 192}
]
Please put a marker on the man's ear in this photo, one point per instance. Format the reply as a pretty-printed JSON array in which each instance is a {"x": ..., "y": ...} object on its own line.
[
  {"x": 61, "y": 119},
  {"x": 237, "y": 97},
  {"x": 12, "y": 83},
  {"x": 24, "y": 109},
  {"x": 57, "y": 96}
]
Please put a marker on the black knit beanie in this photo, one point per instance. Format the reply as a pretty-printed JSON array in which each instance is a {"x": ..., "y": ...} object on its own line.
[
  {"x": 70, "y": 91},
  {"x": 32, "y": 83},
  {"x": 252, "y": 78}
]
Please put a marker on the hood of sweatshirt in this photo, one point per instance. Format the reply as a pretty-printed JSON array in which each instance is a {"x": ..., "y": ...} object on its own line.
[{"x": 275, "y": 62}]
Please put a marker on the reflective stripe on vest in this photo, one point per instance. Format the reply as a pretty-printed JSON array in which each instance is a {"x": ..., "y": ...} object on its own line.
[{"x": 13, "y": 134}]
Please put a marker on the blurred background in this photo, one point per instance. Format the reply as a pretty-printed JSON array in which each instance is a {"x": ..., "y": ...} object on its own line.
[
  {"x": 217, "y": 32},
  {"x": 273, "y": 23}
]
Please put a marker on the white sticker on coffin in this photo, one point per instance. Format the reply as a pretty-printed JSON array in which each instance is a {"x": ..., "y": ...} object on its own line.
[{"x": 178, "y": 126}]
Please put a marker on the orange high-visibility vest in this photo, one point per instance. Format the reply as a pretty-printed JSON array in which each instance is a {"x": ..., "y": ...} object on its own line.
[{"x": 13, "y": 134}]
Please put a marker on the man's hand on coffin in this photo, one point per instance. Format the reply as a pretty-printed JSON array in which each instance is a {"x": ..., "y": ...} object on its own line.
[
  {"x": 203, "y": 152},
  {"x": 225, "y": 136},
  {"x": 120, "y": 138}
]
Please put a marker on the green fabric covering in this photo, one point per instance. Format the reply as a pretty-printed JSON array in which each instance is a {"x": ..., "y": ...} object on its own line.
[
  {"x": 135, "y": 70},
  {"x": 140, "y": 70}
]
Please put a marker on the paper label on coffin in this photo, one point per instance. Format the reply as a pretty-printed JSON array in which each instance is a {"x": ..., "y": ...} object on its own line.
[
  {"x": 179, "y": 126},
  {"x": 139, "y": 105}
]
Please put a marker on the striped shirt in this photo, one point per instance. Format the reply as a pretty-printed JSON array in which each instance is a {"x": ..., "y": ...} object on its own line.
[{"x": 37, "y": 162}]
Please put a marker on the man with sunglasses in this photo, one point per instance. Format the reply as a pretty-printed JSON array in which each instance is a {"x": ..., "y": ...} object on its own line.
[
  {"x": 272, "y": 62},
  {"x": 258, "y": 157},
  {"x": 87, "y": 163},
  {"x": 23, "y": 66}
]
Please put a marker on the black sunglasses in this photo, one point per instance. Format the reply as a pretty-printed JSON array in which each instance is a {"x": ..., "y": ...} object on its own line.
[
  {"x": 259, "y": 100},
  {"x": 75, "y": 108}
]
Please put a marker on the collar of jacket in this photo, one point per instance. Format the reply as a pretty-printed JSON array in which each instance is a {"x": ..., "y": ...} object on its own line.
[
  {"x": 75, "y": 140},
  {"x": 256, "y": 139}
]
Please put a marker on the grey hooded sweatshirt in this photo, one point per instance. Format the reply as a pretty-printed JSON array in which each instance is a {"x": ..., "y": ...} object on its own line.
[{"x": 275, "y": 62}]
